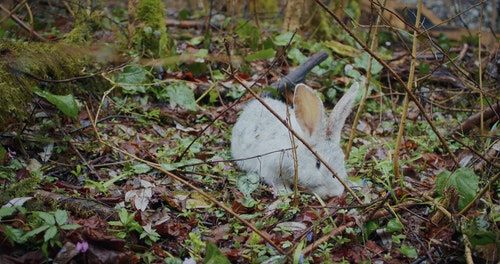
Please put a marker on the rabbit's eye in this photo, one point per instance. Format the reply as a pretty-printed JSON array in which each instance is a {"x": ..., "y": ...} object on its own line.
[{"x": 318, "y": 164}]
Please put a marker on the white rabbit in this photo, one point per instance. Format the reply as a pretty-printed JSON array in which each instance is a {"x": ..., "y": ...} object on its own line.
[{"x": 262, "y": 144}]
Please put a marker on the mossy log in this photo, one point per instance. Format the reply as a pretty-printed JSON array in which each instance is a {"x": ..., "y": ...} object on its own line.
[{"x": 49, "y": 66}]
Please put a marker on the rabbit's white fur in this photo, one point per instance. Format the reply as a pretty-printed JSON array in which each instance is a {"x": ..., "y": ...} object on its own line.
[{"x": 262, "y": 143}]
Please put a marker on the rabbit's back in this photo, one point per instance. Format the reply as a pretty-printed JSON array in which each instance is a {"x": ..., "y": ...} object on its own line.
[
  {"x": 259, "y": 139},
  {"x": 258, "y": 131}
]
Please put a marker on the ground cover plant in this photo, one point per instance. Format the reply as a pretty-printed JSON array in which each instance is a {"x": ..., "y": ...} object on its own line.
[{"x": 116, "y": 133}]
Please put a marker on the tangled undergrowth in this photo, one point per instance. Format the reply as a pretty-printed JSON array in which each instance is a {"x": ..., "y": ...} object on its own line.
[{"x": 142, "y": 172}]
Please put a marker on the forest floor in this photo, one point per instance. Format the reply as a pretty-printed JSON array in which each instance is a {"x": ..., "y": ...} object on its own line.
[{"x": 144, "y": 172}]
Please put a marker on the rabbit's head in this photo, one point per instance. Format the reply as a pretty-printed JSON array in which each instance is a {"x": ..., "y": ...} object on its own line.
[{"x": 324, "y": 137}]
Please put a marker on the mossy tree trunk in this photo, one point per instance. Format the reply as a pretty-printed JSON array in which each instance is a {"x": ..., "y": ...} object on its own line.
[
  {"x": 149, "y": 29},
  {"x": 293, "y": 13}
]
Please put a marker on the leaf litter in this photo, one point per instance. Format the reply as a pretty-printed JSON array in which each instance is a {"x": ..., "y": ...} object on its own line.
[{"x": 421, "y": 219}]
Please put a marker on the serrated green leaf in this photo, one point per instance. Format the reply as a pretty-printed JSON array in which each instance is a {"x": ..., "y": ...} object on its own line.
[
  {"x": 35, "y": 232},
  {"x": 14, "y": 234},
  {"x": 213, "y": 255},
  {"x": 441, "y": 181},
  {"x": 181, "y": 94},
  {"x": 48, "y": 218},
  {"x": 65, "y": 103},
  {"x": 261, "y": 55},
  {"x": 61, "y": 217},
  {"x": 464, "y": 180},
  {"x": 50, "y": 233}
]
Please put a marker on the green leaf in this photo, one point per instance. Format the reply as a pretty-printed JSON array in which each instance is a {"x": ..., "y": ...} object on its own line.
[
  {"x": 61, "y": 217},
  {"x": 483, "y": 238},
  {"x": 261, "y": 55},
  {"x": 70, "y": 227},
  {"x": 213, "y": 255},
  {"x": 132, "y": 78},
  {"x": 171, "y": 166},
  {"x": 397, "y": 238},
  {"x": 370, "y": 226},
  {"x": 141, "y": 168},
  {"x": 123, "y": 215},
  {"x": 248, "y": 183},
  {"x": 115, "y": 223},
  {"x": 408, "y": 251},
  {"x": 6, "y": 211},
  {"x": 394, "y": 225},
  {"x": 181, "y": 94},
  {"x": 363, "y": 61},
  {"x": 3, "y": 152},
  {"x": 297, "y": 254},
  {"x": 464, "y": 180},
  {"x": 48, "y": 218},
  {"x": 15, "y": 235},
  {"x": 297, "y": 56},
  {"x": 441, "y": 180},
  {"x": 35, "y": 232},
  {"x": 341, "y": 49},
  {"x": 285, "y": 38},
  {"x": 50, "y": 233},
  {"x": 172, "y": 260},
  {"x": 65, "y": 103}
]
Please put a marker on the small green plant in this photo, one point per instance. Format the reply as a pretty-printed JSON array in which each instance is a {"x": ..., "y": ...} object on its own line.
[
  {"x": 127, "y": 226},
  {"x": 324, "y": 250},
  {"x": 51, "y": 224},
  {"x": 257, "y": 251},
  {"x": 214, "y": 255},
  {"x": 464, "y": 180},
  {"x": 195, "y": 245},
  {"x": 8, "y": 172}
]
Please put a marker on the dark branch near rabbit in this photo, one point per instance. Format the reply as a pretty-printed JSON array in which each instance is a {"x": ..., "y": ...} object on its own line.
[{"x": 286, "y": 83}]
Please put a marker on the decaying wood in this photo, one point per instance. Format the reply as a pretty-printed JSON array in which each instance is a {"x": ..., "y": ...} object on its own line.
[
  {"x": 475, "y": 120},
  {"x": 81, "y": 207},
  {"x": 288, "y": 82}
]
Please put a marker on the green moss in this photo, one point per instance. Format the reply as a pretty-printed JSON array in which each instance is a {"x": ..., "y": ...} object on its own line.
[
  {"x": 22, "y": 188},
  {"x": 151, "y": 33},
  {"x": 22, "y": 65},
  {"x": 263, "y": 6}
]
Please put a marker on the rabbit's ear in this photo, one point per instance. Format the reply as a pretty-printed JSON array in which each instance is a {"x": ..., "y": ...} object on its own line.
[
  {"x": 339, "y": 114},
  {"x": 309, "y": 110}
]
